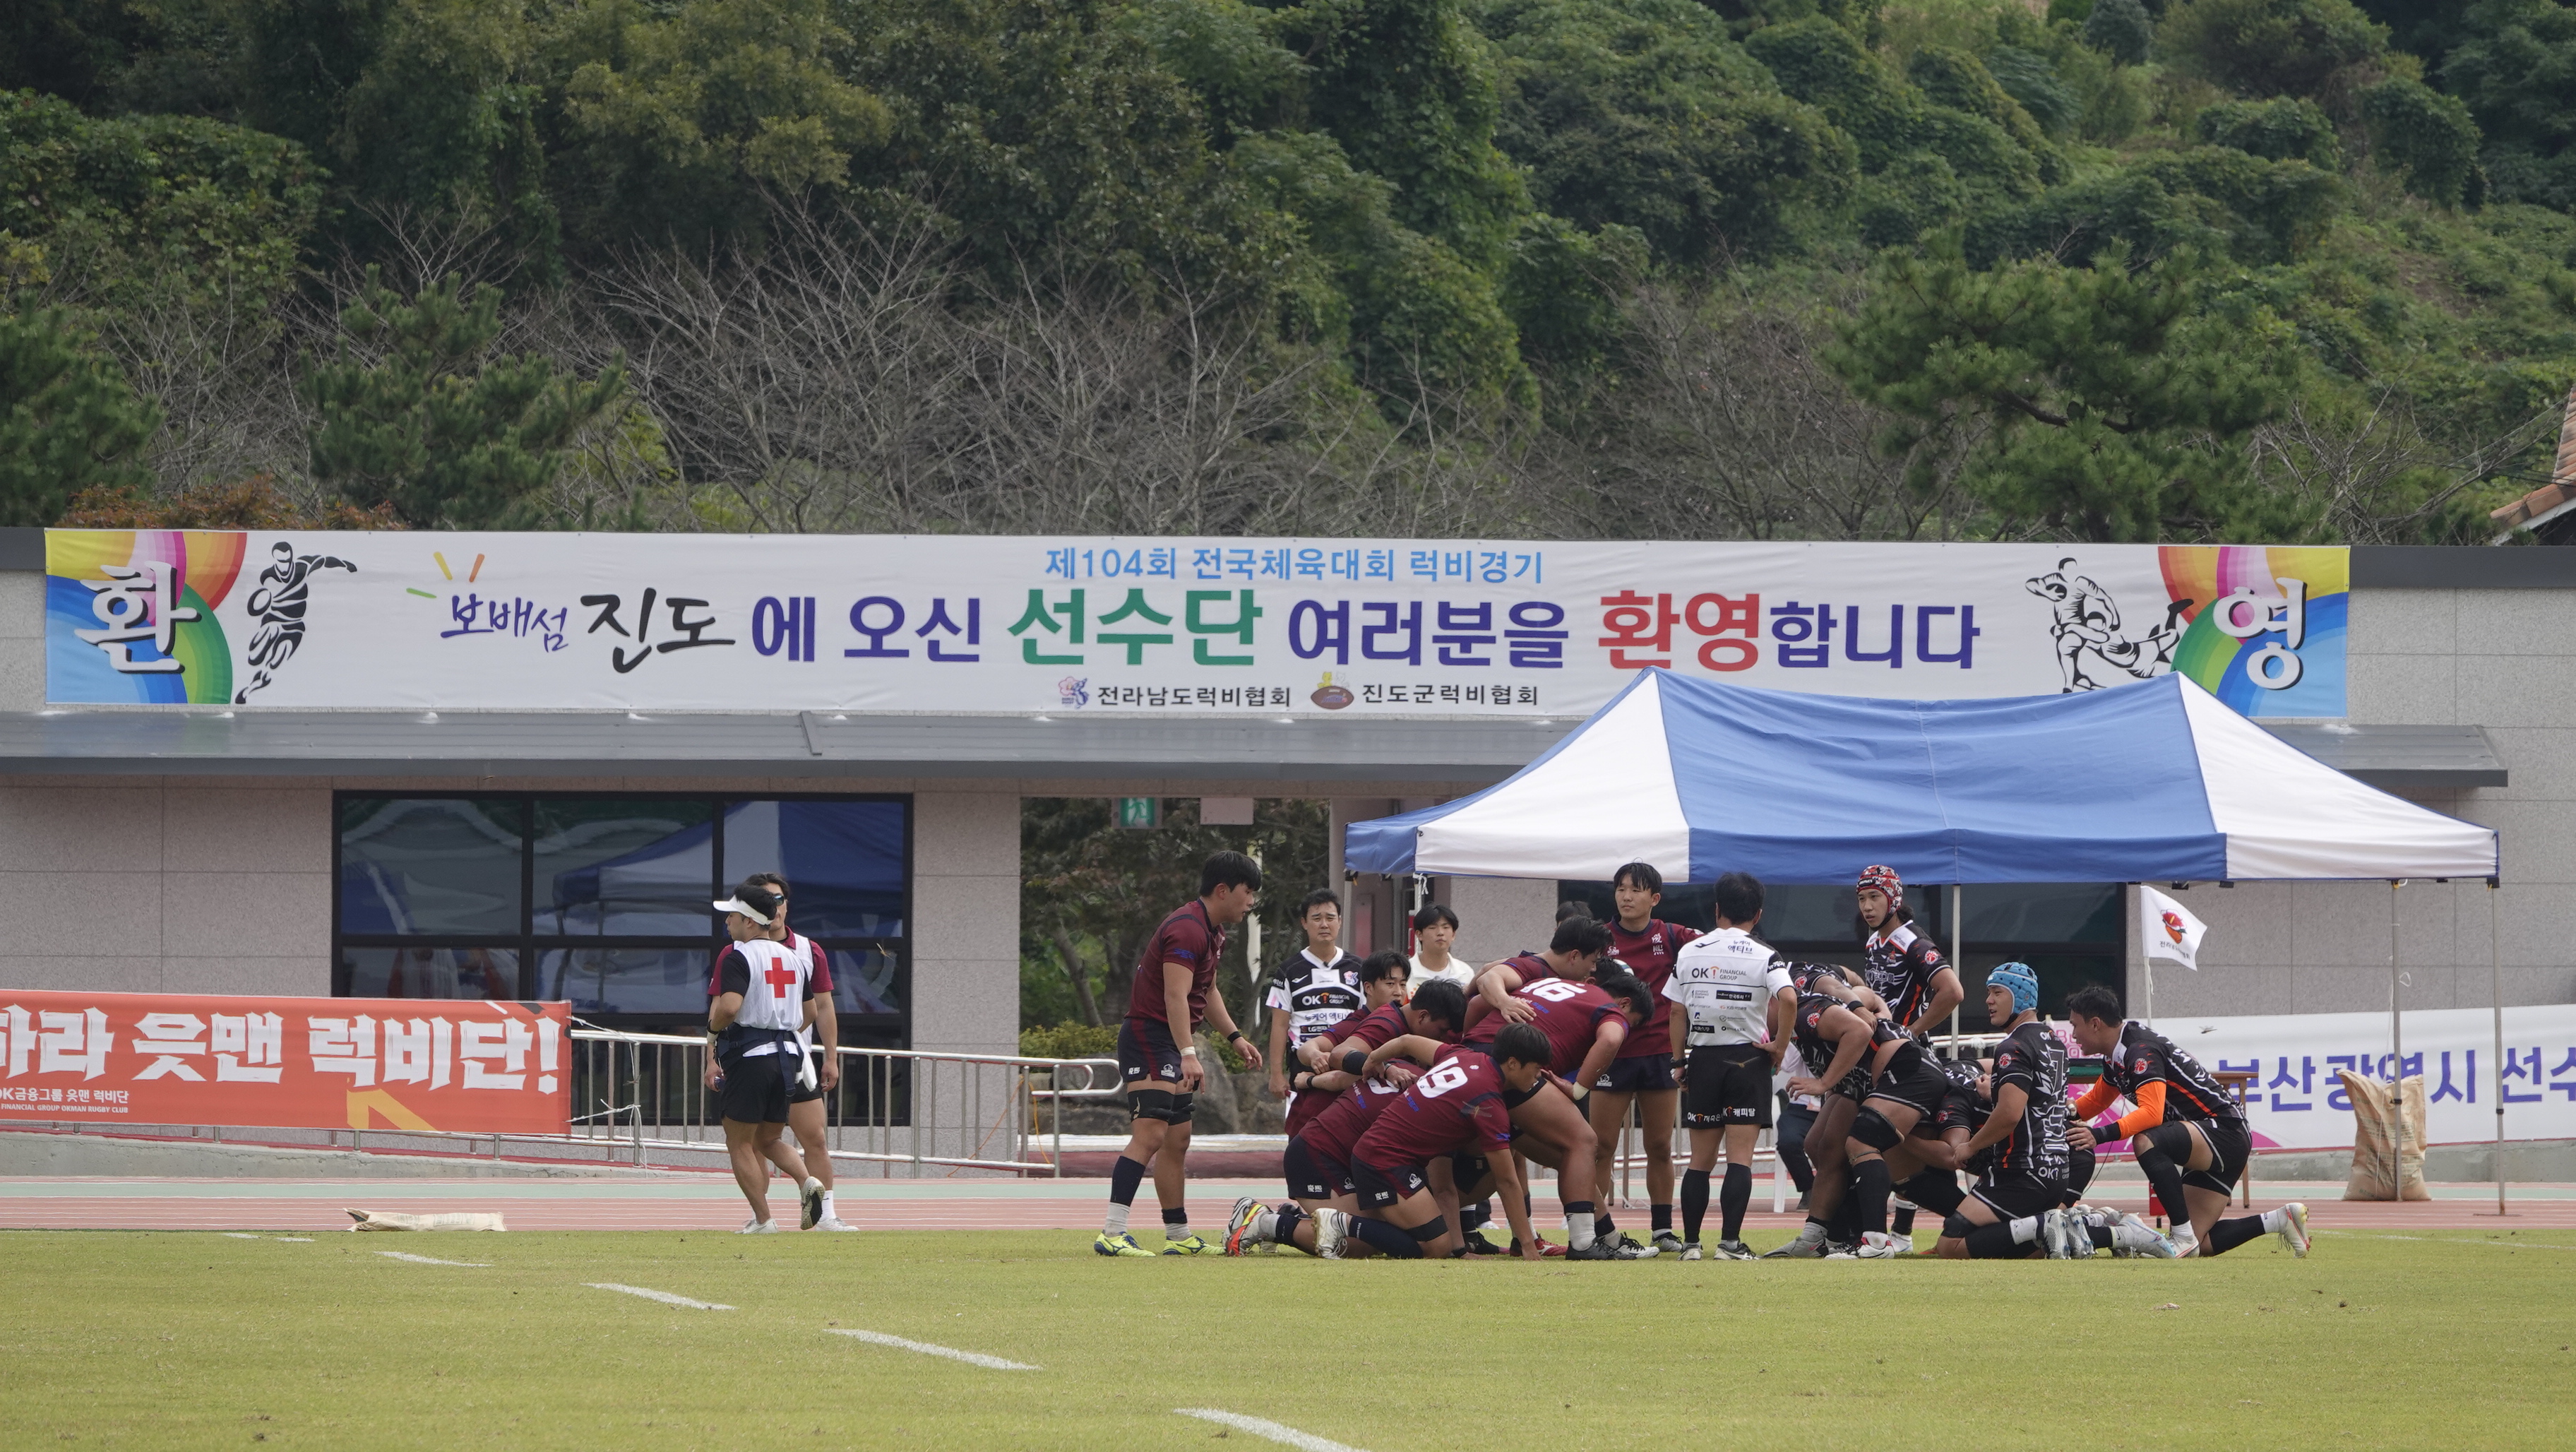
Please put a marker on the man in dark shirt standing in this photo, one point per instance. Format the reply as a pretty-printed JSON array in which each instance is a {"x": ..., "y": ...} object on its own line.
[
  {"x": 1643, "y": 1072},
  {"x": 1158, "y": 1058}
]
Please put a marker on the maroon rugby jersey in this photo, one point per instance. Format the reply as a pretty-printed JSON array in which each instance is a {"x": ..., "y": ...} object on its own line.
[
  {"x": 1569, "y": 1013},
  {"x": 1339, "y": 1125},
  {"x": 1186, "y": 938},
  {"x": 1457, "y": 1104},
  {"x": 821, "y": 978},
  {"x": 1650, "y": 956},
  {"x": 1372, "y": 1027}
]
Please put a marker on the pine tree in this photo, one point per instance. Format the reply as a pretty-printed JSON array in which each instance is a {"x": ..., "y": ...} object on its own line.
[{"x": 68, "y": 419}]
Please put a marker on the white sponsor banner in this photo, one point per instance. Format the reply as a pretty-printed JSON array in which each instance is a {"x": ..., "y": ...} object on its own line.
[
  {"x": 1157, "y": 627},
  {"x": 2298, "y": 1103}
]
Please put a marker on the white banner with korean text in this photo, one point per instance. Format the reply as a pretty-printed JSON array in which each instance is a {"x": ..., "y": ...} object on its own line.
[
  {"x": 962, "y": 624},
  {"x": 2298, "y": 1103}
]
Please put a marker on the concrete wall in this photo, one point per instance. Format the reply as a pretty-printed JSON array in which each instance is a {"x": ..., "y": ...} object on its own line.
[
  {"x": 22, "y": 640},
  {"x": 2501, "y": 659}
]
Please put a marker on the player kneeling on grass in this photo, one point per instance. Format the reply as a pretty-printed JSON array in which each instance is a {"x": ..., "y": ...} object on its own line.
[
  {"x": 767, "y": 996},
  {"x": 1333, "y": 1108},
  {"x": 2188, "y": 1133},
  {"x": 2002, "y": 1217},
  {"x": 1940, "y": 1149},
  {"x": 1461, "y": 1104}
]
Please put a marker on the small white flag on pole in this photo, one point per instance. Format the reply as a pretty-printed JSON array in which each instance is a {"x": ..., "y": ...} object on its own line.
[{"x": 2173, "y": 934}]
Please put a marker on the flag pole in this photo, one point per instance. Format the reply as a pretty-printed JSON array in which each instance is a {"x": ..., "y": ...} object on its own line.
[{"x": 2495, "y": 991}]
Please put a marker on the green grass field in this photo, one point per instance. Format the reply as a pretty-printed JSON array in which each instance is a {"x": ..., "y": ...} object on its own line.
[{"x": 200, "y": 1340}]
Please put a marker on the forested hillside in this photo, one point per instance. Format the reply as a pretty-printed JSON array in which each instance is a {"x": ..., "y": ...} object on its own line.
[{"x": 2197, "y": 269}]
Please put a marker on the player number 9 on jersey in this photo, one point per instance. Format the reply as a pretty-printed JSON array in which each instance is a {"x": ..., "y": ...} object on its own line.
[
  {"x": 1554, "y": 990},
  {"x": 1440, "y": 1080}
]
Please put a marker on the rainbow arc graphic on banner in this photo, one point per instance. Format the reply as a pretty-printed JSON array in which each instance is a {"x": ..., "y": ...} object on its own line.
[
  {"x": 2258, "y": 655},
  {"x": 203, "y": 564}
]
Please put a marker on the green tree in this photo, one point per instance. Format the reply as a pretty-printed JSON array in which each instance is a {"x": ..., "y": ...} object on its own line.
[
  {"x": 68, "y": 421},
  {"x": 1408, "y": 89},
  {"x": 1646, "y": 115},
  {"x": 2283, "y": 129},
  {"x": 2427, "y": 138},
  {"x": 2097, "y": 403},
  {"x": 2120, "y": 29},
  {"x": 2516, "y": 69},
  {"x": 2269, "y": 47},
  {"x": 133, "y": 204},
  {"x": 676, "y": 118},
  {"x": 428, "y": 419}
]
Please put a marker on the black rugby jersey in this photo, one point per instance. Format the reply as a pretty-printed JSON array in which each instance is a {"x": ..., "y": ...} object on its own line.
[
  {"x": 2145, "y": 1056},
  {"x": 2032, "y": 1057},
  {"x": 1899, "y": 968},
  {"x": 1805, "y": 1030}
]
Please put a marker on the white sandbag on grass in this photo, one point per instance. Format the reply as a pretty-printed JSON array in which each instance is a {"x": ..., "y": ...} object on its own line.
[{"x": 396, "y": 1220}]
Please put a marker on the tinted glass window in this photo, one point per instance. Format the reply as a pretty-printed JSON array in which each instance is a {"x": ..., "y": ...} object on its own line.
[
  {"x": 843, "y": 862},
  {"x": 865, "y": 981},
  {"x": 625, "y": 868},
  {"x": 2043, "y": 912},
  {"x": 428, "y": 865},
  {"x": 432, "y": 972},
  {"x": 628, "y": 980}
]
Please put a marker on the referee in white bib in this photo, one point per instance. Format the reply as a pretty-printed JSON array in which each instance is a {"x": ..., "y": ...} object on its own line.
[
  {"x": 765, "y": 995},
  {"x": 1734, "y": 1002}
]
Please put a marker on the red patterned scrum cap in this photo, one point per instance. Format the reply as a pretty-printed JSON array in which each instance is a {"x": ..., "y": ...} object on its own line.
[{"x": 1881, "y": 879}]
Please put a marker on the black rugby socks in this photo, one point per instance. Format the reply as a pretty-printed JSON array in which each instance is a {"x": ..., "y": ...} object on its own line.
[
  {"x": 1694, "y": 1203},
  {"x": 1733, "y": 1200}
]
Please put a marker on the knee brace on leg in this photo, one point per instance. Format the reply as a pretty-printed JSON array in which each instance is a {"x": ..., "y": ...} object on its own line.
[
  {"x": 1430, "y": 1230},
  {"x": 1935, "y": 1190},
  {"x": 1872, "y": 1128},
  {"x": 1154, "y": 1104},
  {"x": 1956, "y": 1227},
  {"x": 2170, "y": 1140}
]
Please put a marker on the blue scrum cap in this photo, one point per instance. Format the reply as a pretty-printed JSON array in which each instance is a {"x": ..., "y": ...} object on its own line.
[{"x": 2023, "y": 983}]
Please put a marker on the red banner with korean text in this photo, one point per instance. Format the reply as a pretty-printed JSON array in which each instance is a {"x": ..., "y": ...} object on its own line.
[{"x": 467, "y": 1065}]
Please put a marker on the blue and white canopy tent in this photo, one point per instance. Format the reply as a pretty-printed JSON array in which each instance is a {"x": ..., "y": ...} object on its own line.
[{"x": 2153, "y": 781}]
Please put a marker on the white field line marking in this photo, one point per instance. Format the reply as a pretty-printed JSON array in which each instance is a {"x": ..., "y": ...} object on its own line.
[
  {"x": 432, "y": 1260},
  {"x": 665, "y": 1297},
  {"x": 296, "y": 1239},
  {"x": 1286, "y": 1436},
  {"x": 971, "y": 1358},
  {"x": 2436, "y": 1240},
  {"x": 239, "y": 1235}
]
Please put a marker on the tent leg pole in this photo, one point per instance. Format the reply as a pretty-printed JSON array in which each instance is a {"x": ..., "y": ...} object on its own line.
[
  {"x": 2396, "y": 1055},
  {"x": 2495, "y": 997},
  {"x": 1958, "y": 964}
]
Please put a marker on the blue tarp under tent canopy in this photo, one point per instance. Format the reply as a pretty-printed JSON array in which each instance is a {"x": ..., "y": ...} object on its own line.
[{"x": 2153, "y": 781}]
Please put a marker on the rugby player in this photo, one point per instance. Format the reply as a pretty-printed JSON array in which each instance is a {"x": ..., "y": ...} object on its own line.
[
  {"x": 2188, "y": 1133},
  {"x": 1941, "y": 1149},
  {"x": 1159, "y": 1059},
  {"x": 2001, "y": 1218},
  {"x": 1836, "y": 1032},
  {"x": 1459, "y": 1106},
  {"x": 1902, "y": 965},
  {"x": 1315, "y": 989},
  {"x": 1643, "y": 1072},
  {"x": 1908, "y": 1089},
  {"x": 1731, "y": 1008},
  {"x": 1316, "y": 1179},
  {"x": 1585, "y": 1019}
]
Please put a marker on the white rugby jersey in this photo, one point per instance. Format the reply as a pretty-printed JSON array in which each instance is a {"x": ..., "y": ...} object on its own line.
[
  {"x": 1725, "y": 980},
  {"x": 1316, "y": 995},
  {"x": 774, "y": 997}
]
